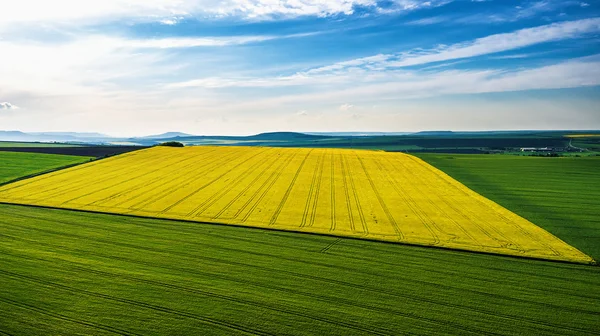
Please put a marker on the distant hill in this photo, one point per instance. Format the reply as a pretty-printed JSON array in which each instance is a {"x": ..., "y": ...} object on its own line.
[
  {"x": 167, "y": 135},
  {"x": 284, "y": 136}
]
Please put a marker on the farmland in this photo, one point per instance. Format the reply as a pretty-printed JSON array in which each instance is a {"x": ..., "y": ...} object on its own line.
[
  {"x": 364, "y": 194},
  {"x": 65, "y": 272},
  {"x": 15, "y": 165},
  {"x": 562, "y": 195},
  {"x": 8, "y": 144}
]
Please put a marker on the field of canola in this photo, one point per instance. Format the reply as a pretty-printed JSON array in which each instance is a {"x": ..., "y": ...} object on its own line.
[{"x": 369, "y": 194}]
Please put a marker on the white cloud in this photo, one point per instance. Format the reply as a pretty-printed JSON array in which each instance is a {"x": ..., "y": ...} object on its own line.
[
  {"x": 482, "y": 46},
  {"x": 8, "y": 106},
  {"x": 28, "y": 11},
  {"x": 346, "y": 107}
]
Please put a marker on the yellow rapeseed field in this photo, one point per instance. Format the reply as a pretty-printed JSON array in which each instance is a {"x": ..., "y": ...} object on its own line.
[{"x": 369, "y": 194}]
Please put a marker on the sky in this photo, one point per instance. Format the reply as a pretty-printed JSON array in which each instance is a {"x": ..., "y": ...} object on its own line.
[{"x": 139, "y": 67}]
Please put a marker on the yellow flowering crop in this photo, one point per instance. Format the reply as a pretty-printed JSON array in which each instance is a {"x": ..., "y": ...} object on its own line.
[{"x": 369, "y": 194}]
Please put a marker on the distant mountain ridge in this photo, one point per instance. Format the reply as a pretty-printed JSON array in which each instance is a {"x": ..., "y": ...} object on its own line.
[
  {"x": 166, "y": 135},
  {"x": 263, "y": 139}
]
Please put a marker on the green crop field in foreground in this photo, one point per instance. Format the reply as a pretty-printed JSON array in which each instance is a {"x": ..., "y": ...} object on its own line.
[
  {"x": 14, "y": 165},
  {"x": 65, "y": 272},
  {"x": 561, "y": 195}
]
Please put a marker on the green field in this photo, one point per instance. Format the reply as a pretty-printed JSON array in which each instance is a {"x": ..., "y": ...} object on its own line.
[
  {"x": 65, "y": 272},
  {"x": 562, "y": 195},
  {"x": 34, "y": 144},
  {"x": 14, "y": 165}
]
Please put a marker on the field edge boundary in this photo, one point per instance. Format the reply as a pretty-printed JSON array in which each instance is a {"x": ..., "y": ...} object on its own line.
[{"x": 593, "y": 262}]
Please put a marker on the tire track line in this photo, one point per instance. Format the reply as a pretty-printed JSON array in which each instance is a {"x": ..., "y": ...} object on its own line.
[
  {"x": 66, "y": 318},
  {"x": 317, "y": 192},
  {"x": 223, "y": 191},
  {"x": 493, "y": 313},
  {"x": 157, "y": 308},
  {"x": 288, "y": 191},
  {"x": 250, "y": 185},
  {"x": 267, "y": 185},
  {"x": 356, "y": 198},
  {"x": 199, "y": 189},
  {"x": 381, "y": 200}
]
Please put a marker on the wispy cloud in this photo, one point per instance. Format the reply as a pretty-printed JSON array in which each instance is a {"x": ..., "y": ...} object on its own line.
[
  {"x": 525, "y": 10},
  {"x": 428, "y": 21},
  {"x": 170, "y": 11},
  {"x": 8, "y": 106},
  {"x": 482, "y": 46}
]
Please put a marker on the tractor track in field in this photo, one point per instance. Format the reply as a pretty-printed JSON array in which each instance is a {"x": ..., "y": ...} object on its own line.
[
  {"x": 80, "y": 181},
  {"x": 428, "y": 223},
  {"x": 313, "y": 194},
  {"x": 223, "y": 191},
  {"x": 332, "y": 192},
  {"x": 76, "y": 168},
  {"x": 479, "y": 201},
  {"x": 295, "y": 260},
  {"x": 83, "y": 181},
  {"x": 187, "y": 289},
  {"x": 347, "y": 194},
  {"x": 307, "y": 204},
  {"x": 250, "y": 185},
  {"x": 317, "y": 192},
  {"x": 66, "y": 318},
  {"x": 330, "y": 245},
  {"x": 161, "y": 181},
  {"x": 333, "y": 300},
  {"x": 179, "y": 313},
  {"x": 265, "y": 187},
  {"x": 460, "y": 213},
  {"x": 207, "y": 169},
  {"x": 183, "y": 180},
  {"x": 289, "y": 190},
  {"x": 359, "y": 208},
  {"x": 381, "y": 201},
  {"x": 197, "y": 190},
  {"x": 65, "y": 186},
  {"x": 157, "y": 308}
]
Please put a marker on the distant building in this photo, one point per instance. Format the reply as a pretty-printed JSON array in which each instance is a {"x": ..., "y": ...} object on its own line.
[{"x": 535, "y": 149}]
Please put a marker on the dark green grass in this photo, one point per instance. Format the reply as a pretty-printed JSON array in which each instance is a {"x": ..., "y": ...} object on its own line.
[
  {"x": 65, "y": 272},
  {"x": 561, "y": 195},
  {"x": 14, "y": 165}
]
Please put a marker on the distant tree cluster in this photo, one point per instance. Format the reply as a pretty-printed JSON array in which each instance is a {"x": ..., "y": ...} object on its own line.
[{"x": 172, "y": 144}]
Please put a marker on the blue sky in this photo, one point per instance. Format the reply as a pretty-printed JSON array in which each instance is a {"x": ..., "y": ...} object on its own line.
[{"x": 138, "y": 67}]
